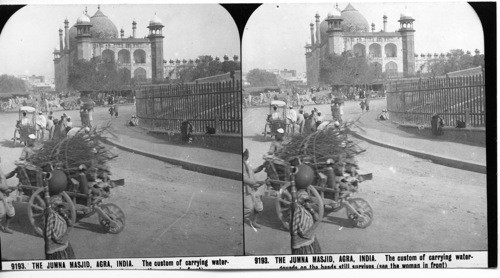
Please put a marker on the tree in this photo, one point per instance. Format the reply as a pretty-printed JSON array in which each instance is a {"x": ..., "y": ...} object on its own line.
[
  {"x": 456, "y": 60},
  {"x": 11, "y": 84},
  {"x": 258, "y": 78},
  {"x": 206, "y": 66},
  {"x": 345, "y": 69},
  {"x": 95, "y": 75}
]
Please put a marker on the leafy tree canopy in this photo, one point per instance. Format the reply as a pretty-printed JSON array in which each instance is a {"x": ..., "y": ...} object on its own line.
[
  {"x": 11, "y": 84},
  {"x": 95, "y": 75},
  {"x": 259, "y": 78},
  {"x": 345, "y": 69},
  {"x": 456, "y": 60},
  {"x": 205, "y": 66}
]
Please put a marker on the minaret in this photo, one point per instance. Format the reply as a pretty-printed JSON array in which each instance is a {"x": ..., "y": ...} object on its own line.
[
  {"x": 312, "y": 33},
  {"x": 122, "y": 33},
  {"x": 373, "y": 27},
  {"x": 385, "y": 23},
  {"x": 61, "y": 44},
  {"x": 156, "y": 39},
  {"x": 318, "y": 36},
  {"x": 134, "y": 27},
  {"x": 66, "y": 35},
  {"x": 408, "y": 40},
  {"x": 334, "y": 32},
  {"x": 83, "y": 38}
]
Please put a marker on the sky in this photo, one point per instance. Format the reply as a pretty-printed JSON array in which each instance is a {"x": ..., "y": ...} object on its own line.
[
  {"x": 31, "y": 34},
  {"x": 275, "y": 35}
]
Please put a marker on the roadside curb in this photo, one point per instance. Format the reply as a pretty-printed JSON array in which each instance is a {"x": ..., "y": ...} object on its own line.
[
  {"x": 188, "y": 165},
  {"x": 442, "y": 160}
]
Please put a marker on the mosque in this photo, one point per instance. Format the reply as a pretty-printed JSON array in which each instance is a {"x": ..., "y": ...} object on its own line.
[
  {"x": 348, "y": 30},
  {"x": 96, "y": 36}
]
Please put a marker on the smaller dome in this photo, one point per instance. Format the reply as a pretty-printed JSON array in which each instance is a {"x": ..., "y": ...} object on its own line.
[
  {"x": 406, "y": 14},
  {"x": 83, "y": 19},
  {"x": 155, "y": 21},
  {"x": 334, "y": 13}
]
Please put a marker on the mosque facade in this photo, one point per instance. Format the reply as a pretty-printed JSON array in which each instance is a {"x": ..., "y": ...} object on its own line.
[
  {"x": 97, "y": 36},
  {"x": 348, "y": 30}
]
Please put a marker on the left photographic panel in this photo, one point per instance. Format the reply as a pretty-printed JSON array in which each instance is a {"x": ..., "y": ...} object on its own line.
[{"x": 120, "y": 132}]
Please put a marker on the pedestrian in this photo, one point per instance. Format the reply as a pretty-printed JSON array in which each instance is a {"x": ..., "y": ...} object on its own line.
[
  {"x": 312, "y": 120},
  {"x": 336, "y": 113},
  {"x": 59, "y": 130},
  {"x": 367, "y": 103},
  {"x": 56, "y": 232},
  {"x": 50, "y": 127},
  {"x": 28, "y": 150},
  {"x": 301, "y": 121},
  {"x": 186, "y": 130},
  {"x": 384, "y": 116},
  {"x": 69, "y": 124},
  {"x": 305, "y": 219},
  {"x": 133, "y": 121},
  {"x": 291, "y": 119},
  {"x": 7, "y": 210},
  {"x": 115, "y": 108},
  {"x": 252, "y": 201},
  {"x": 437, "y": 124},
  {"x": 277, "y": 144},
  {"x": 362, "y": 105},
  {"x": 319, "y": 119},
  {"x": 25, "y": 121},
  {"x": 275, "y": 115}
]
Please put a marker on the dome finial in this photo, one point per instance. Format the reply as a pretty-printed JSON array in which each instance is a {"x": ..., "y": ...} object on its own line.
[
  {"x": 85, "y": 9},
  {"x": 98, "y": 7}
]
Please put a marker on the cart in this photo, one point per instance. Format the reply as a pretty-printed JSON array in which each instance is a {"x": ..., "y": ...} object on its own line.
[
  {"x": 23, "y": 131},
  {"x": 79, "y": 200},
  {"x": 272, "y": 125},
  {"x": 321, "y": 192}
]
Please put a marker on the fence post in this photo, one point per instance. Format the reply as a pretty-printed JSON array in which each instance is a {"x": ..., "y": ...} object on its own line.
[
  {"x": 467, "y": 117},
  {"x": 217, "y": 126}
]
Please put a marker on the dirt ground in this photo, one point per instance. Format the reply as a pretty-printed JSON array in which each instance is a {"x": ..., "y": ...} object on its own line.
[
  {"x": 169, "y": 211},
  {"x": 418, "y": 205}
]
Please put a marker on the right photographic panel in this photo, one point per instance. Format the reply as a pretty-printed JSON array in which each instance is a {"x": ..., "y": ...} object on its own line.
[{"x": 364, "y": 131}]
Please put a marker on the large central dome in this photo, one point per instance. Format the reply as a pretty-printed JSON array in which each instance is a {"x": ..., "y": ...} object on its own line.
[
  {"x": 102, "y": 26},
  {"x": 353, "y": 21}
]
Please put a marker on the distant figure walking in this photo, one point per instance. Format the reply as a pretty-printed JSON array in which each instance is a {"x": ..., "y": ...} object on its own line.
[{"x": 437, "y": 125}]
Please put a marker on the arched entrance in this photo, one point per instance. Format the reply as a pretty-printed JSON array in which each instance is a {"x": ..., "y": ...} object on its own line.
[
  {"x": 108, "y": 56},
  {"x": 124, "y": 56},
  {"x": 375, "y": 50},
  {"x": 359, "y": 50},
  {"x": 391, "y": 69},
  {"x": 139, "y": 56},
  {"x": 140, "y": 74},
  {"x": 391, "y": 50}
]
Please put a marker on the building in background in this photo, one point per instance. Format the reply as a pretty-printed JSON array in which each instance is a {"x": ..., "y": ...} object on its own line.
[
  {"x": 348, "y": 30},
  {"x": 97, "y": 36}
]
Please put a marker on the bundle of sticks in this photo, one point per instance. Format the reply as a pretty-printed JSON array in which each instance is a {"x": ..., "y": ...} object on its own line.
[
  {"x": 317, "y": 147},
  {"x": 69, "y": 153}
]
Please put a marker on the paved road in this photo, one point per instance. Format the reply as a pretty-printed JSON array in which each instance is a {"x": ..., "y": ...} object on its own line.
[
  {"x": 170, "y": 211},
  {"x": 418, "y": 205}
]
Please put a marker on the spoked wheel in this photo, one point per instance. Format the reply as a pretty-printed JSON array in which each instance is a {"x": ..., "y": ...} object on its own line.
[
  {"x": 265, "y": 131},
  {"x": 284, "y": 200},
  {"x": 37, "y": 205},
  {"x": 365, "y": 211},
  {"x": 117, "y": 216}
]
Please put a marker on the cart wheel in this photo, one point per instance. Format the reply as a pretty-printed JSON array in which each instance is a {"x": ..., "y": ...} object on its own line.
[
  {"x": 117, "y": 216},
  {"x": 265, "y": 131},
  {"x": 284, "y": 200},
  {"x": 364, "y": 209},
  {"x": 36, "y": 207}
]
